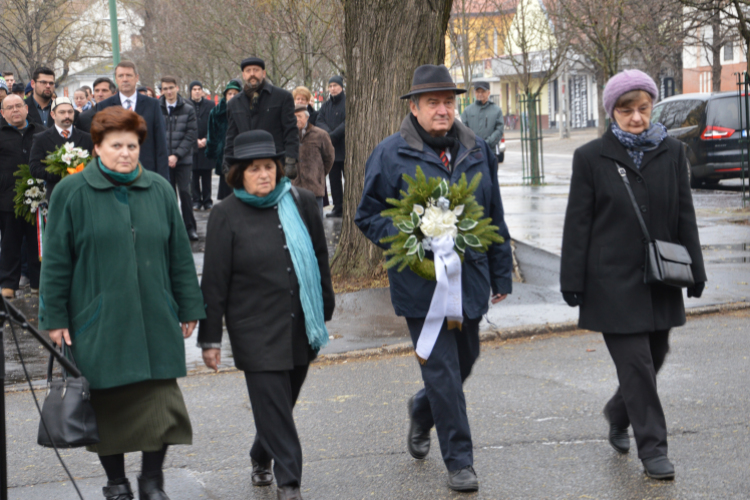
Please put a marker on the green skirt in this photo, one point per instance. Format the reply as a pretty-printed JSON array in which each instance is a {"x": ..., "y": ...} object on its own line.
[{"x": 140, "y": 417}]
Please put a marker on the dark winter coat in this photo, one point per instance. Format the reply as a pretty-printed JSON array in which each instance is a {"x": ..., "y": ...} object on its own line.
[
  {"x": 216, "y": 134},
  {"x": 15, "y": 150},
  {"x": 48, "y": 141},
  {"x": 249, "y": 281},
  {"x": 313, "y": 115},
  {"x": 400, "y": 154},
  {"x": 84, "y": 120},
  {"x": 203, "y": 109},
  {"x": 332, "y": 119},
  {"x": 182, "y": 130},
  {"x": 154, "y": 154},
  {"x": 486, "y": 120},
  {"x": 603, "y": 246},
  {"x": 275, "y": 114},
  {"x": 315, "y": 161}
]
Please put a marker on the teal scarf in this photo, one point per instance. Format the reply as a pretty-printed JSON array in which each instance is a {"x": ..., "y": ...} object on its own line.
[
  {"x": 121, "y": 178},
  {"x": 303, "y": 257}
]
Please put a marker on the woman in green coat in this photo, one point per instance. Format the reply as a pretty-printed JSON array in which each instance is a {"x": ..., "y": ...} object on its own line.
[{"x": 119, "y": 286}]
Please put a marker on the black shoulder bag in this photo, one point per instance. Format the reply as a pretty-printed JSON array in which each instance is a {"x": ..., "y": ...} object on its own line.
[
  {"x": 666, "y": 263},
  {"x": 67, "y": 411}
]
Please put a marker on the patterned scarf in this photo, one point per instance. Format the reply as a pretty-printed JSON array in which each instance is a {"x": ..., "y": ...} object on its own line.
[{"x": 636, "y": 145}]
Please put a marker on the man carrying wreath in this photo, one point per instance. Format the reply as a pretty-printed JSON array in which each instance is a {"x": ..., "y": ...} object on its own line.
[{"x": 445, "y": 149}]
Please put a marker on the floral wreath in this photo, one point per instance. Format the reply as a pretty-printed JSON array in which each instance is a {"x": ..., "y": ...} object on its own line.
[
  {"x": 66, "y": 160},
  {"x": 432, "y": 209},
  {"x": 30, "y": 194}
]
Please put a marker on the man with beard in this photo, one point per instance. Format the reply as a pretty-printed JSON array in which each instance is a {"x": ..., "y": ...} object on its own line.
[
  {"x": 63, "y": 131},
  {"x": 261, "y": 106},
  {"x": 42, "y": 86},
  {"x": 202, "y": 165}
]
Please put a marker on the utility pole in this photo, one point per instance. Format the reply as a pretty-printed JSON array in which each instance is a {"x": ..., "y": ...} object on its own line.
[{"x": 115, "y": 33}]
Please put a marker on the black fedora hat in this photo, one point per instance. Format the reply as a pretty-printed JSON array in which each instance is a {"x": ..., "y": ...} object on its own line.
[
  {"x": 431, "y": 78},
  {"x": 254, "y": 145}
]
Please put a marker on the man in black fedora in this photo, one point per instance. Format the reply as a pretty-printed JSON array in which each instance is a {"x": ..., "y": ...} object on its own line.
[
  {"x": 262, "y": 106},
  {"x": 443, "y": 148}
]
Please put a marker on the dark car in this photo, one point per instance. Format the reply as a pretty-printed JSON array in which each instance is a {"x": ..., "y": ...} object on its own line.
[{"x": 709, "y": 126}]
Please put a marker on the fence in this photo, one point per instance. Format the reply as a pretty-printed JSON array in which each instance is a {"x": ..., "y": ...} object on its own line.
[
  {"x": 532, "y": 148},
  {"x": 743, "y": 94}
]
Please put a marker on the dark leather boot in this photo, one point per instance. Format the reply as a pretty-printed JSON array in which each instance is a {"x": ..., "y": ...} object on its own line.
[
  {"x": 118, "y": 490},
  {"x": 463, "y": 479},
  {"x": 288, "y": 493},
  {"x": 262, "y": 475},
  {"x": 618, "y": 436},
  {"x": 658, "y": 468},
  {"x": 151, "y": 488},
  {"x": 418, "y": 440}
]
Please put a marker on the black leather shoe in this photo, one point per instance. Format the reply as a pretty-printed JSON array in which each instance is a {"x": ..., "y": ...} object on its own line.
[
  {"x": 658, "y": 468},
  {"x": 193, "y": 235},
  {"x": 463, "y": 479},
  {"x": 288, "y": 493},
  {"x": 151, "y": 488},
  {"x": 118, "y": 490},
  {"x": 262, "y": 475},
  {"x": 618, "y": 436},
  {"x": 418, "y": 440},
  {"x": 208, "y": 205},
  {"x": 196, "y": 205}
]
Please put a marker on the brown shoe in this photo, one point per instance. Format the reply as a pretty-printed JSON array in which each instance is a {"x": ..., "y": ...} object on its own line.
[
  {"x": 288, "y": 493},
  {"x": 262, "y": 475},
  {"x": 8, "y": 293}
]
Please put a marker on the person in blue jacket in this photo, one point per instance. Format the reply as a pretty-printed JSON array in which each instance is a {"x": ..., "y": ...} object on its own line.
[{"x": 430, "y": 138}]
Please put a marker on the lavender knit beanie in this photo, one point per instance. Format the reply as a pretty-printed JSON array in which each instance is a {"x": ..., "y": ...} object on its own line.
[{"x": 624, "y": 82}]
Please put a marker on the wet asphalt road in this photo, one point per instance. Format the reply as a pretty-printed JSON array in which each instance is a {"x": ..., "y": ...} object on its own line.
[{"x": 534, "y": 407}]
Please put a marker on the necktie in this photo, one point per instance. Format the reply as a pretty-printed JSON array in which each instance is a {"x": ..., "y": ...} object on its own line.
[
  {"x": 127, "y": 104},
  {"x": 65, "y": 134},
  {"x": 445, "y": 159}
]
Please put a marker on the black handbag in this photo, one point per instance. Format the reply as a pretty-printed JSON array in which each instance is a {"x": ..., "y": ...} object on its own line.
[
  {"x": 666, "y": 263},
  {"x": 67, "y": 411}
]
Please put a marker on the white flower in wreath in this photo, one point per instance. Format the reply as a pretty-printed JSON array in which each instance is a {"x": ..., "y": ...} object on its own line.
[
  {"x": 437, "y": 222},
  {"x": 69, "y": 147},
  {"x": 83, "y": 153},
  {"x": 32, "y": 192},
  {"x": 67, "y": 158},
  {"x": 27, "y": 201},
  {"x": 44, "y": 212},
  {"x": 30, "y": 182}
]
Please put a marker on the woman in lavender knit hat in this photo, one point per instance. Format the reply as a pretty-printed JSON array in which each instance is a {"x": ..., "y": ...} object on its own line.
[{"x": 603, "y": 257}]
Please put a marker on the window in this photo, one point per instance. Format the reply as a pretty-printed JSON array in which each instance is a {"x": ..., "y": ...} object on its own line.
[
  {"x": 679, "y": 114},
  {"x": 728, "y": 52},
  {"x": 724, "y": 112}
]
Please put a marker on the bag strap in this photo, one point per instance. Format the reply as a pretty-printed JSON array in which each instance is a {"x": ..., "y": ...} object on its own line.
[
  {"x": 68, "y": 353},
  {"x": 623, "y": 173},
  {"x": 295, "y": 194}
]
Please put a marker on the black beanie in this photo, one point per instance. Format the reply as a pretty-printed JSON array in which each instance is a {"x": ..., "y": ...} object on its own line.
[
  {"x": 252, "y": 61},
  {"x": 337, "y": 79},
  {"x": 193, "y": 84}
]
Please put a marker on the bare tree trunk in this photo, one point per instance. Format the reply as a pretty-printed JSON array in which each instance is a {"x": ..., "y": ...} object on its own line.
[
  {"x": 385, "y": 40},
  {"x": 716, "y": 46}
]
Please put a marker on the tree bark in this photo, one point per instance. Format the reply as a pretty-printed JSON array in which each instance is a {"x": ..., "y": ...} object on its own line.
[{"x": 385, "y": 41}]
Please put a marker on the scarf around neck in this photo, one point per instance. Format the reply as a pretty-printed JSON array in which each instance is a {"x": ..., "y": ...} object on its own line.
[
  {"x": 303, "y": 257},
  {"x": 119, "y": 178},
  {"x": 448, "y": 142},
  {"x": 636, "y": 145}
]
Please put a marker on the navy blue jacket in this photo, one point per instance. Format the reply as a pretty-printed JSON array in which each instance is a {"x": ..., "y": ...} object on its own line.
[
  {"x": 400, "y": 154},
  {"x": 153, "y": 155}
]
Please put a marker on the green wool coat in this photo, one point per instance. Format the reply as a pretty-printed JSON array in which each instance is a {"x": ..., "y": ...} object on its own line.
[{"x": 118, "y": 272}]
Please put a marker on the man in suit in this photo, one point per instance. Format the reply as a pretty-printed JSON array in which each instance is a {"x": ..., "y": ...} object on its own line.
[
  {"x": 62, "y": 131},
  {"x": 153, "y": 155},
  {"x": 40, "y": 100},
  {"x": 202, "y": 166},
  {"x": 104, "y": 88},
  {"x": 262, "y": 106}
]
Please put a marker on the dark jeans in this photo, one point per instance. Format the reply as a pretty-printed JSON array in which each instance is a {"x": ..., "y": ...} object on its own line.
[
  {"x": 13, "y": 231},
  {"x": 638, "y": 358},
  {"x": 272, "y": 397},
  {"x": 441, "y": 403},
  {"x": 337, "y": 188},
  {"x": 224, "y": 189},
  {"x": 180, "y": 178},
  {"x": 202, "y": 186}
]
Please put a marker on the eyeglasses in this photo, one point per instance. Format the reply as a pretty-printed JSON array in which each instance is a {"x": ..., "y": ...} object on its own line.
[
  {"x": 12, "y": 108},
  {"x": 42, "y": 82},
  {"x": 628, "y": 112}
]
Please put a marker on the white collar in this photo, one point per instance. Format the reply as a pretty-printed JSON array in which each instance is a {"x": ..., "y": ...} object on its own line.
[
  {"x": 70, "y": 130},
  {"x": 132, "y": 99}
]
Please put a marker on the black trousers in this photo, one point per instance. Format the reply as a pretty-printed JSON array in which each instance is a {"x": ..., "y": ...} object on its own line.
[
  {"x": 441, "y": 403},
  {"x": 224, "y": 189},
  {"x": 13, "y": 231},
  {"x": 202, "y": 186},
  {"x": 638, "y": 358},
  {"x": 273, "y": 396},
  {"x": 180, "y": 179},
  {"x": 337, "y": 188}
]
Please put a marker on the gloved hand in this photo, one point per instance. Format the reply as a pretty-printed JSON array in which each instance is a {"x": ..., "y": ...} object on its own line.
[
  {"x": 290, "y": 168},
  {"x": 696, "y": 290},
  {"x": 573, "y": 298}
]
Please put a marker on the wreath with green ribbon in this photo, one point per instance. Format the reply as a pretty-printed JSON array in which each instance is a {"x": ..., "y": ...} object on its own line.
[{"x": 432, "y": 208}]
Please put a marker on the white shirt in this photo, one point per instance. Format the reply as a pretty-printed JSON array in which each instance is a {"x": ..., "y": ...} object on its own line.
[
  {"x": 60, "y": 130},
  {"x": 170, "y": 106},
  {"x": 132, "y": 100}
]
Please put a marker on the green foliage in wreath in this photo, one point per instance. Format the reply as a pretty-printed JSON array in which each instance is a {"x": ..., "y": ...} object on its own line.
[
  {"x": 30, "y": 194},
  {"x": 409, "y": 245}
]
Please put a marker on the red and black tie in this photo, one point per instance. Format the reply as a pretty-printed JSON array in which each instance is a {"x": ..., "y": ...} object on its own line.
[{"x": 446, "y": 161}]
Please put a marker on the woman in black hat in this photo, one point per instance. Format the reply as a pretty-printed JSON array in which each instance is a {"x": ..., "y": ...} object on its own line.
[{"x": 266, "y": 271}]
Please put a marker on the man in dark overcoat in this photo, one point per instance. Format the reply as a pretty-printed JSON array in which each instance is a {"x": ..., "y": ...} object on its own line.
[
  {"x": 446, "y": 149},
  {"x": 262, "y": 106},
  {"x": 332, "y": 119},
  {"x": 202, "y": 166}
]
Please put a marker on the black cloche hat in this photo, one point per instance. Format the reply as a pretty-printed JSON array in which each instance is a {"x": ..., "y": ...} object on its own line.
[
  {"x": 254, "y": 145},
  {"x": 431, "y": 78}
]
